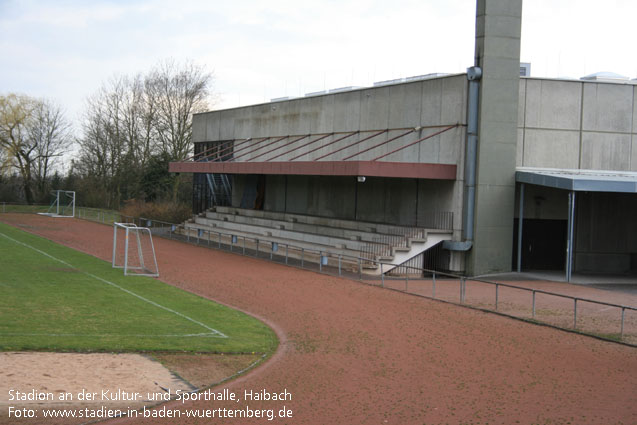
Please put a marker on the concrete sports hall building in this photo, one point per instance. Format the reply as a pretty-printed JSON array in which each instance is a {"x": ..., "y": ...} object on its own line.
[{"x": 499, "y": 171}]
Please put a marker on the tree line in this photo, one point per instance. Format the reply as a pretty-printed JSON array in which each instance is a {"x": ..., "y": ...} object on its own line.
[{"x": 131, "y": 128}]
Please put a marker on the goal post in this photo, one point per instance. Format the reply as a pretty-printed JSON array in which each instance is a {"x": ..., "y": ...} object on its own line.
[
  {"x": 133, "y": 250},
  {"x": 62, "y": 204}
]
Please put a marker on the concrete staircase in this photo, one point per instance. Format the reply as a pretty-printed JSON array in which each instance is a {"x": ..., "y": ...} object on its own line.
[{"x": 335, "y": 242}]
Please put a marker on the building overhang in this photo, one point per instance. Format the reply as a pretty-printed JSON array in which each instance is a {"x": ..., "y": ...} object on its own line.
[
  {"x": 579, "y": 180},
  {"x": 322, "y": 168}
]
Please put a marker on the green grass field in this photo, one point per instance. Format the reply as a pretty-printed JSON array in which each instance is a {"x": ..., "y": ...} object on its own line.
[{"x": 58, "y": 299}]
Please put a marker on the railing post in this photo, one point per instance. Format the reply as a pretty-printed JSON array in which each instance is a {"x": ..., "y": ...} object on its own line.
[
  {"x": 575, "y": 313},
  {"x": 406, "y": 281},
  {"x": 219, "y": 239},
  {"x": 534, "y": 304},
  {"x": 360, "y": 269},
  {"x": 621, "y": 332},
  {"x": 433, "y": 286},
  {"x": 497, "y": 287},
  {"x": 286, "y": 253},
  {"x": 244, "y": 245},
  {"x": 339, "y": 264},
  {"x": 320, "y": 261},
  {"x": 382, "y": 276},
  {"x": 302, "y": 256},
  {"x": 256, "y": 254}
]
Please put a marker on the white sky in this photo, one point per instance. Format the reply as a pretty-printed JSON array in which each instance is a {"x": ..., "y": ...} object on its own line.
[{"x": 65, "y": 49}]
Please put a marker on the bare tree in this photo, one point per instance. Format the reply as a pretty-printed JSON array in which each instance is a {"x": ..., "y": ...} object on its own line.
[
  {"x": 50, "y": 134},
  {"x": 34, "y": 134},
  {"x": 132, "y": 119},
  {"x": 15, "y": 119},
  {"x": 178, "y": 91}
]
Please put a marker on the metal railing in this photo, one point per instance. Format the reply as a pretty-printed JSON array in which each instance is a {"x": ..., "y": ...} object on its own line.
[{"x": 610, "y": 321}]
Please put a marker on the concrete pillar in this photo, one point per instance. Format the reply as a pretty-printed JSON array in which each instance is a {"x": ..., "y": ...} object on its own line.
[{"x": 497, "y": 52}]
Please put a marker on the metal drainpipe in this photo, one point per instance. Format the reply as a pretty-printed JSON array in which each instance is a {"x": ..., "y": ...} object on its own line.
[{"x": 474, "y": 74}]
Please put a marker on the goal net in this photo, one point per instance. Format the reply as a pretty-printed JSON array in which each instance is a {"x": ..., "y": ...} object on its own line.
[
  {"x": 62, "y": 204},
  {"x": 133, "y": 250}
]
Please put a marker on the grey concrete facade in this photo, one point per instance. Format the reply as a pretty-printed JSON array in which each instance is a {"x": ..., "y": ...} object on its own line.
[
  {"x": 577, "y": 125},
  {"x": 523, "y": 122},
  {"x": 429, "y": 103}
]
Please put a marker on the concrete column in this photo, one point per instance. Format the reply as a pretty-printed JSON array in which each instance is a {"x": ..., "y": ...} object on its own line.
[
  {"x": 570, "y": 247},
  {"x": 497, "y": 52},
  {"x": 520, "y": 226}
]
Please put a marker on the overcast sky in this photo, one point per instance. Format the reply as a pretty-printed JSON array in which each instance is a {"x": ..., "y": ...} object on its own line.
[{"x": 258, "y": 50}]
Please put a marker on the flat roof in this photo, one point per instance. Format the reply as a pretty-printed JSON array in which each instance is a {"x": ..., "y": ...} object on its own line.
[{"x": 579, "y": 180}]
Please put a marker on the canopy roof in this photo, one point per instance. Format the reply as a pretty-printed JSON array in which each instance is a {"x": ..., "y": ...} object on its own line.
[{"x": 579, "y": 180}]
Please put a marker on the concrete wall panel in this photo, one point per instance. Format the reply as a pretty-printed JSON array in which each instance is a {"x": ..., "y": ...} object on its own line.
[
  {"x": 226, "y": 124},
  {"x": 374, "y": 109},
  {"x": 431, "y": 107},
  {"x": 275, "y": 193},
  {"x": 453, "y": 106},
  {"x": 633, "y": 160},
  {"x": 199, "y": 128},
  {"x": 405, "y": 102},
  {"x": 551, "y": 149},
  {"x": 635, "y": 109},
  {"x": 522, "y": 102},
  {"x": 400, "y": 205},
  {"x": 347, "y": 111},
  {"x": 320, "y": 114},
  {"x": 519, "y": 158},
  {"x": 213, "y": 126},
  {"x": 429, "y": 150},
  {"x": 451, "y": 145},
  {"x": 553, "y": 104},
  {"x": 608, "y": 107},
  {"x": 243, "y": 123},
  {"x": 606, "y": 151},
  {"x": 371, "y": 200}
]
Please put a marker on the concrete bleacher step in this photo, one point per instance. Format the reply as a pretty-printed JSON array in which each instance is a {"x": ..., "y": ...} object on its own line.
[
  {"x": 310, "y": 252},
  {"x": 334, "y": 236},
  {"x": 278, "y": 220},
  {"x": 261, "y": 229}
]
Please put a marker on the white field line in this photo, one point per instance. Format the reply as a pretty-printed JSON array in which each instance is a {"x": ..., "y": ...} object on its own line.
[
  {"x": 201, "y": 335},
  {"x": 215, "y": 332}
]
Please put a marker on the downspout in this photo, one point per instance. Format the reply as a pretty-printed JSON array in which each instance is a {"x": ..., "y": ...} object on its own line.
[{"x": 474, "y": 74}]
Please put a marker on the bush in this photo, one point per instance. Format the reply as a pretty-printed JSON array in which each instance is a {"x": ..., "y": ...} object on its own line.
[{"x": 171, "y": 212}]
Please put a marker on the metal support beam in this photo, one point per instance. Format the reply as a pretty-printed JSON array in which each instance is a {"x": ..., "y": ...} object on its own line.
[
  {"x": 520, "y": 220},
  {"x": 569, "y": 244}
]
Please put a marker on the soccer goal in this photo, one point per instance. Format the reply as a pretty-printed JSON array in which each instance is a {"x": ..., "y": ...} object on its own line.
[
  {"x": 62, "y": 204},
  {"x": 133, "y": 250}
]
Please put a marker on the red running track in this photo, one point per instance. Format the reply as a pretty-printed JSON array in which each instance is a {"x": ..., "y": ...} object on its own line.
[{"x": 356, "y": 354}]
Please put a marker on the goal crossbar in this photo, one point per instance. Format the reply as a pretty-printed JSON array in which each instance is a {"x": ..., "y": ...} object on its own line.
[{"x": 133, "y": 250}]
